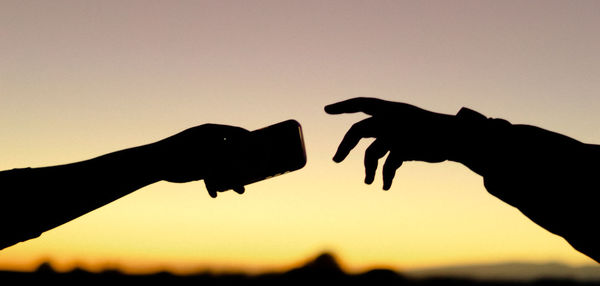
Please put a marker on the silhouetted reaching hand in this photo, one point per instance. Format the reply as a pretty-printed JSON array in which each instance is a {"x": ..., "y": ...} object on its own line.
[
  {"x": 37, "y": 199},
  {"x": 549, "y": 177},
  {"x": 407, "y": 132}
]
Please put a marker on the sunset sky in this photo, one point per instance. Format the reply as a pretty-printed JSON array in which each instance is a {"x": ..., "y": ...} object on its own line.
[{"x": 79, "y": 79}]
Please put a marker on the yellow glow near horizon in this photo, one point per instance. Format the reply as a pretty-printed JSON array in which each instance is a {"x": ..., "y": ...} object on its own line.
[
  {"x": 78, "y": 80},
  {"x": 269, "y": 229}
]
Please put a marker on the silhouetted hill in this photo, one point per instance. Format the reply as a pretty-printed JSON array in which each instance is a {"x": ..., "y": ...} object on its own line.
[
  {"x": 322, "y": 270},
  {"x": 324, "y": 263}
]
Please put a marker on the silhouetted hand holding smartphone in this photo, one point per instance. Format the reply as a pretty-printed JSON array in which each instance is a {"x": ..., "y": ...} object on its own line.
[
  {"x": 192, "y": 154},
  {"x": 227, "y": 156},
  {"x": 260, "y": 154},
  {"x": 549, "y": 177}
]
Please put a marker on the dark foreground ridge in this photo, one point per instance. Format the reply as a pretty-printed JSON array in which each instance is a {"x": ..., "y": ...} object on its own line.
[{"x": 323, "y": 270}]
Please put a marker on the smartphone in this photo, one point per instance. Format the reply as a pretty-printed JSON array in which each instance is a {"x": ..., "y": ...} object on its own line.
[{"x": 265, "y": 153}]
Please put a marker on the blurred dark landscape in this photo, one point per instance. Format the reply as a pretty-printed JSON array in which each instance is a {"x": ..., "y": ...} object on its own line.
[{"x": 325, "y": 269}]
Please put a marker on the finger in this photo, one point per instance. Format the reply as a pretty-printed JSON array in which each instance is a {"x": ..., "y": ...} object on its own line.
[
  {"x": 359, "y": 130},
  {"x": 212, "y": 193},
  {"x": 392, "y": 163},
  {"x": 360, "y": 104},
  {"x": 240, "y": 190},
  {"x": 374, "y": 152}
]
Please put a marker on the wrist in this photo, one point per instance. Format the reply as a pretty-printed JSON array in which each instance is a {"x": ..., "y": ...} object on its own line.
[
  {"x": 172, "y": 160},
  {"x": 474, "y": 137},
  {"x": 147, "y": 162}
]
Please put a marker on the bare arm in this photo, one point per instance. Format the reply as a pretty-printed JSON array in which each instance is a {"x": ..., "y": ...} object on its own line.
[{"x": 38, "y": 199}]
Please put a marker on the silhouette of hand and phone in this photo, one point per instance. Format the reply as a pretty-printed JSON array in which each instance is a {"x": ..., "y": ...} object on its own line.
[
  {"x": 264, "y": 153},
  {"x": 549, "y": 177},
  {"x": 225, "y": 157},
  {"x": 228, "y": 157}
]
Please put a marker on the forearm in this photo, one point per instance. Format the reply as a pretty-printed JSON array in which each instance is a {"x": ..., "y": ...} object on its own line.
[
  {"x": 547, "y": 176},
  {"x": 38, "y": 199}
]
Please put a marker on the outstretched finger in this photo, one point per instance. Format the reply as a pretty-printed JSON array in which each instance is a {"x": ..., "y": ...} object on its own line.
[
  {"x": 374, "y": 152},
  {"x": 359, "y": 130},
  {"x": 392, "y": 163},
  {"x": 367, "y": 105}
]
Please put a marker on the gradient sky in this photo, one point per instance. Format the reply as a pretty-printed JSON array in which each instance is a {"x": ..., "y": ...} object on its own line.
[{"x": 80, "y": 79}]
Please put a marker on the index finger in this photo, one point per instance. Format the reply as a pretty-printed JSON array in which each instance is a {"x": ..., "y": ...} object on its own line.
[{"x": 367, "y": 105}]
